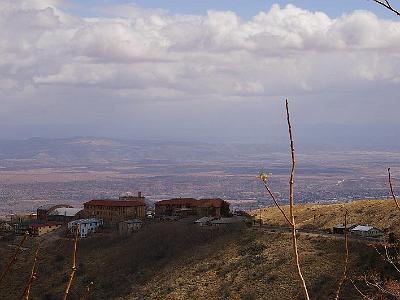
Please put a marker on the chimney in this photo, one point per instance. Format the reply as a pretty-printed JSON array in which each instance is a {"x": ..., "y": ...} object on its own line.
[{"x": 139, "y": 194}]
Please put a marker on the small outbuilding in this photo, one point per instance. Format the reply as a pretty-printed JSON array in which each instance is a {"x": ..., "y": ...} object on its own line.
[
  {"x": 340, "y": 229},
  {"x": 5, "y": 227},
  {"x": 204, "y": 221},
  {"x": 86, "y": 226},
  {"x": 129, "y": 226},
  {"x": 367, "y": 231},
  {"x": 229, "y": 221},
  {"x": 40, "y": 229},
  {"x": 63, "y": 214}
]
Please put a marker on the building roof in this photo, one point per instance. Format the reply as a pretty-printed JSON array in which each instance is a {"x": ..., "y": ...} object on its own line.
[
  {"x": 30, "y": 222},
  {"x": 192, "y": 202},
  {"x": 115, "y": 203},
  {"x": 341, "y": 226},
  {"x": 65, "y": 211},
  {"x": 52, "y": 206},
  {"x": 45, "y": 224},
  {"x": 363, "y": 228},
  {"x": 177, "y": 201},
  {"x": 204, "y": 220},
  {"x": 230, "y": 220},
  {"x": 84, "y": 221}
]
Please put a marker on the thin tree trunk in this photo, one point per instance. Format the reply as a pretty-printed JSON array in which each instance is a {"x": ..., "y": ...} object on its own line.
[
  {"x": 28, "y": 286},
  {"x": 71, "y": 276},
  {"x": 291, "y": 206},
  {"x": 14, "y": 258},
  {"x": 346, "y": 257}
]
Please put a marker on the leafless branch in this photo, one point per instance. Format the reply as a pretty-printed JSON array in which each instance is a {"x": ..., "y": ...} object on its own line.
[
  {"x": 359, "y": 291},
  {"x": 264, "y": 180},
  {"x": 387, "y": 5},
  {"x": 28, "y": 285},
  {"x": 346, "y": 257},
  {"x": 390, "y": 260},
  {"x": 73, "y": 268},
  {"x": 14, "y": 258},
  {"x": 379, "y": 287},
  {"x": 291, "y": 205},
  {"x": 86, "y": 292},
  {"x": 391, "y": 190},
  {"x": 387, "y": 257}
]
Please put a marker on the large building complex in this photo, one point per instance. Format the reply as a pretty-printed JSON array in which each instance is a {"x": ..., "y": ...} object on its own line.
[
  {"x": 190, "y": 206},
  {"x": 114, "y": 211}
]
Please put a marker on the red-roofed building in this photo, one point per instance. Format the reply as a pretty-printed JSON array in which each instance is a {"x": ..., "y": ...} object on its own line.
[
  {"x": 114, "y": 211},
  {"x": 190, "y": 206},
  {"x": 40, "y": 229}
]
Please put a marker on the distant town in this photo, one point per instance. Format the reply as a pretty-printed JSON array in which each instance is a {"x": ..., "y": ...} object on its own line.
[{"x": 36, "y": 173}]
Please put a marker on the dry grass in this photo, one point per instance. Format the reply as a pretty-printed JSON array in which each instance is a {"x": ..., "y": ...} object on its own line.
[
  {"x": 183, "y": 261},
  {"x": 379, "y": 213},
  {"x": 254, "y": 266}
]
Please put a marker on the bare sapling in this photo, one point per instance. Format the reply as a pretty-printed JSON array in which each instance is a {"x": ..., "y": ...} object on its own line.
[
  {"x": 359, "y": 291},
  {"x": 291, "y": 218},
  {"x": 14, "y": 257},
  {"x": 346, "y": 257},
  {"x": 387, "y": 5},
  {"x": 86, "y": 291},
  {"x": 73, "y": 267},
  {"x": 391, "y": 190},
  {"x": 27, "y": 289}
]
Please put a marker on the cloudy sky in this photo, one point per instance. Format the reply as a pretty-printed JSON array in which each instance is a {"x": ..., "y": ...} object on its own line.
[{"x": 198, "y": 70}]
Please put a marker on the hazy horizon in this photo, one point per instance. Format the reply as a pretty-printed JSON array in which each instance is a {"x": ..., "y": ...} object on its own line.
[{"x": 205, "y": 73}]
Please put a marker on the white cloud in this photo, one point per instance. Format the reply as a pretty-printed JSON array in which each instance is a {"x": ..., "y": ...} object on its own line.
[{"x": 132, "y": 51}]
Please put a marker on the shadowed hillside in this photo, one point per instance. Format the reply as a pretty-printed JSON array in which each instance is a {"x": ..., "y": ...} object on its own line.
[{"x": 182, "y": 261}]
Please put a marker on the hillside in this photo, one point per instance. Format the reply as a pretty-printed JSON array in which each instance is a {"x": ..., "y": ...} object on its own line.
[
  {"x": 382, "y": 214},
  {"x": 182, "y": 261}
]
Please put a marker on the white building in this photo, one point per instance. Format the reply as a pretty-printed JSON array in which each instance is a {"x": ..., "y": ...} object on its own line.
[
  {"x": 366, "y": 231},
  {"x": 86, "y": 226}
]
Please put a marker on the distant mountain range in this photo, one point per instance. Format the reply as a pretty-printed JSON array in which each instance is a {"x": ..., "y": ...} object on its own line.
[{"x": 82, "y": 150}]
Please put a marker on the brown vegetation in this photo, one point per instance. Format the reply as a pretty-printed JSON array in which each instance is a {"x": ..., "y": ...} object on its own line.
[
  {"x": 290, "y": 220},
  {"x": 378, "y": 213},
  {"x": 180, "y": 260},
  {"x": 13, "y": 259}
]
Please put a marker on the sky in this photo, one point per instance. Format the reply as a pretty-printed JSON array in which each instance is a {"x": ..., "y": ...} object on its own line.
[{"x": 199, "y": 70}]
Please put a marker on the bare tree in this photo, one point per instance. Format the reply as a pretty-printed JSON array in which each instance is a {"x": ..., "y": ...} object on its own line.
[
  {"x": 73, "y": 267},
  {"x": 28, "y": 285},
  {"x": 346, "y": 257},
  {"x": 289, "y": 219},
  {"x": 387, "y": 5}
]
